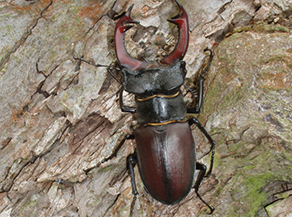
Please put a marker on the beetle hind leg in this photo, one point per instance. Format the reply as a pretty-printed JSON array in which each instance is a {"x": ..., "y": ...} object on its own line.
[
  {"x": 201, "y": 167},
  {"x": 201, "y": 175},
  {"x": 131, "y": 162},
  {"x": 212, "y": 209}
]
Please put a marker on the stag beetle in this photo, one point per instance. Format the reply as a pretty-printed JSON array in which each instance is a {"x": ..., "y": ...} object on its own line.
[{"x": 165, "y": 148}]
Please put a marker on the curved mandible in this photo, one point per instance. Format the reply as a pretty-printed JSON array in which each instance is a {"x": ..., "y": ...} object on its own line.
[
  {"x": 181, "y": 20},
  {"x": 122, "y": 55}
]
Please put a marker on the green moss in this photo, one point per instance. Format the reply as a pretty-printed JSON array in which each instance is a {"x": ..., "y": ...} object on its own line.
[
  {"x": 218, "y": 191},
  {"x": 75, "y": 9},
  {"x": 264, "y": 27},
  {"x": 213, "y": 130},
  {"x": 234, "y": 38},
  {"x": 233, "y": 96},
  {"x": 280, "y": 28},
  {"x": 28, "y": 205},
  {"x": 290, "y": 176},
  {"x": 285, "y": 194},
  {"x": 255, "y": 197},
  {"x": 260, "y": 27},
  {"x": 105, "y": 169},
  {"x": 242, "y": 29},
  {"x": 280, "y": 58},
  {"x": 213, "y": 95},
  {"x": 3, "y": 70},
  {"x": 250, "y": 167},
  {"x": 217, "y": 161},
  {"x": 237, "y": 147},
  {"x": 7, "y": 15}
]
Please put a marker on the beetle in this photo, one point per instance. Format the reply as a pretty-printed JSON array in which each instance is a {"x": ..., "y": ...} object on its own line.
[{"x": 165, "y": 148}]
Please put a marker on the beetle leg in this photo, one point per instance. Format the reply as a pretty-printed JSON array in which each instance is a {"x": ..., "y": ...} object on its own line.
[
  {"x": 114, "y": 154},
  {"x": 131, "y": 162},
  {"x": 210, "y": 60},
  {"x": 125, "y": 108},
  {"x": 201, "y": 175},
  {"x": 197, "y": 109},
  {"x": 109, "y": 69},
  {"x": 200, "y": 126}
]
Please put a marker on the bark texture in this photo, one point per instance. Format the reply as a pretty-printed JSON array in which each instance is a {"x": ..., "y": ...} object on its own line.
[{"x": 60, "y": 118}]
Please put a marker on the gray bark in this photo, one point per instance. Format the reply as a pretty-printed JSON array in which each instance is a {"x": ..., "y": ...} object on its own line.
[{"x": 60, "y": 118}]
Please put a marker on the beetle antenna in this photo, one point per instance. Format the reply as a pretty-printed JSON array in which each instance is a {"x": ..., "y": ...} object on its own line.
[
  {"x": 99, "y": 65},
  {"x": 90, "y": 63},
  {"x": 165, "y": 50}
]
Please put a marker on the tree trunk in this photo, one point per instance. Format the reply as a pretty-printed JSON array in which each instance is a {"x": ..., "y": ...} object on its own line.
[{"x": 61, "y": 120}]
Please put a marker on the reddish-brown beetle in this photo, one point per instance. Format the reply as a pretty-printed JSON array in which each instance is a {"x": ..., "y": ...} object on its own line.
[{"x": 165, "y": 148}]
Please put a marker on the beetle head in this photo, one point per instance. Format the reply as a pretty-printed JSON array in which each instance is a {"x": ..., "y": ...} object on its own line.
[{"x": 181, "y": 20}]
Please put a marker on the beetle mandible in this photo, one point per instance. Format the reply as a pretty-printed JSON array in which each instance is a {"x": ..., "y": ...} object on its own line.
[{"x": 165, "y": 148}]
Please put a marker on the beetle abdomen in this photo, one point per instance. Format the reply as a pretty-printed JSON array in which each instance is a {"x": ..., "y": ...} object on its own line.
[{"x": 166, "y": 158}]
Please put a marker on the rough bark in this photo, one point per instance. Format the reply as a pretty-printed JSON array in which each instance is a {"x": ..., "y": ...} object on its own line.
[{"x": 60, "y": 118}]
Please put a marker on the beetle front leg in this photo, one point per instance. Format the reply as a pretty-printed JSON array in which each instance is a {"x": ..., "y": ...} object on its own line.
[
  {"x": 200, "y": 126},
  {"x": 125, "y": 108},
  {"x": 197, "y": 109}
]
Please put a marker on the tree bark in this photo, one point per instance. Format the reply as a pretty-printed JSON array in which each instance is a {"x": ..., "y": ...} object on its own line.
[{"x": 61, "y": 120}]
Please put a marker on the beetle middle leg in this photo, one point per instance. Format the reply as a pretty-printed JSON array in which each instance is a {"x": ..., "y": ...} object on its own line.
[
  {"x": 131, "y": 162},
  {"x": 203, "y": 130}
]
